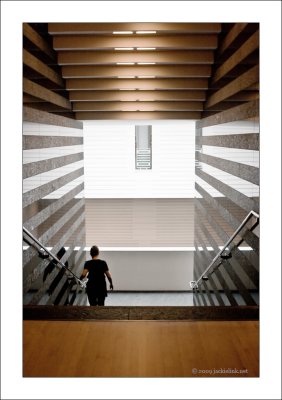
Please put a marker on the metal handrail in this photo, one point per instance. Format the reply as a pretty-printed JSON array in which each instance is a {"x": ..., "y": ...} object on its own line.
[
  {"x": 81, "y": 283},
  {"x": 195, "y": 284}
]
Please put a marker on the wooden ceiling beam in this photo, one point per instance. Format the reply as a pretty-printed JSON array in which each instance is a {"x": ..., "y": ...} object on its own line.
[
  {"x": 45, "y": 106},
  {"x": 163, "y": 71},
  {"x": 254, "y": 86},
  {"x": 94, "y": 28},
  {"x": 147, "y": 84},
  {"x": 138, "y": 106},
  {"x": 138, "y": 115},
  {"x": 35, "y": 64},
  {"x": 244, "y": 51},
  {"x": 141, "y": 95},
  {"x": 244, "y": 96},
  {"x": 38, "y": 41},
  {"x": 87, "y": 42},
  {"x": 27, "y": 98},
  {"x": 234, "y": 32},
  {"x": 241, "y": 83},
  {"x": 224, "y": 105},
  {"x": 252, "y": 59},
  {"x": 112, "y": 57},
  {"x": 42, "y": 93}
]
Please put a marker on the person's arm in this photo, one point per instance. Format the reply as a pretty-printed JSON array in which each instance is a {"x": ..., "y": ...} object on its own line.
[
  {"x": 108, "y": 275},
  {"x": 84, "y": 273}
]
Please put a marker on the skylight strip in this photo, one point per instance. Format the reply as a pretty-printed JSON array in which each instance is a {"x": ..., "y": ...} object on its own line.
[
  {"x": 125, "y": 63},
  {"x": 146, "y": 48},
  {"x": 122, "y": 32},
  {"x": 124, "y": 48},
  {"x": 145, "y": 32}
]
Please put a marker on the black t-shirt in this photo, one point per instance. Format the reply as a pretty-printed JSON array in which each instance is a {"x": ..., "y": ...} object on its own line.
[{"x": 96, "y": 277}]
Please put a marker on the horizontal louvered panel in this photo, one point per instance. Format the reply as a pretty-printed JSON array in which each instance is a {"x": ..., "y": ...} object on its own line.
[
  {"x": 110, "y": 161},
  {"x": 140, "y": 222}
]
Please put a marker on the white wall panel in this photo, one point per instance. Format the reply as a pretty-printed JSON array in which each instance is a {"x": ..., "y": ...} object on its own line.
[
  {"x": 150, "y": 270},
  {"x": 235, "y": 127},
  {"x": 109, "y": 159},
  {"x": 33, "y": 155},
  {"x": 34, "y": 128},
  {"x": 140, "y": 222},
  {"x": 243, "y": 156}
]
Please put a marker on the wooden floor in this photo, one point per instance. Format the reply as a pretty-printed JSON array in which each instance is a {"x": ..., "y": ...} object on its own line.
[{"x": 140, "y": 348}]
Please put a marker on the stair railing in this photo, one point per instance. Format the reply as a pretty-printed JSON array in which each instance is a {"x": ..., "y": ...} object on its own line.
[
  {"x": 204, "y": 277},
  {"x": 43, "y": 252}
]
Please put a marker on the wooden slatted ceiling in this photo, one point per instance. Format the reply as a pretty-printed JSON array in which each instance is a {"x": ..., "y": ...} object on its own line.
[
  {"x": 169, "y": 70},
  {"x": 178, "y": 58},
  {"x": 109, "y": 28}
]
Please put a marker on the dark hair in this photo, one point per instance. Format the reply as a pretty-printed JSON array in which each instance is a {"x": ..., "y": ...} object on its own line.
[{"x": 94, "y": 251}]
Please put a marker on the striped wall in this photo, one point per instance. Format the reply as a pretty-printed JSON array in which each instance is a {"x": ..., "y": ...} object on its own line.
[
  {"x": 53, "y": 203},
  {"x": 227, "y": 189}
]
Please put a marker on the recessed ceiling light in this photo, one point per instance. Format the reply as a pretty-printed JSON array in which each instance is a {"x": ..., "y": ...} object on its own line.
[
  {"x": 146, "y": 76},
  {"x": 127, "y": 89},
  {"x": 124, "y": 48},
  {"x": 122, "y": 33},
  {"x": 145, "y": 32},
  {"x": 146, "y": 48},
  {"x": 146, "y": 63},
  {"x": 126, "y": 77},
  {"x": 125, "y": 63}
]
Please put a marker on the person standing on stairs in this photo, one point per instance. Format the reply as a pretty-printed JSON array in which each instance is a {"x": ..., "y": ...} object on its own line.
[{"x": 96, "y": 270}]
